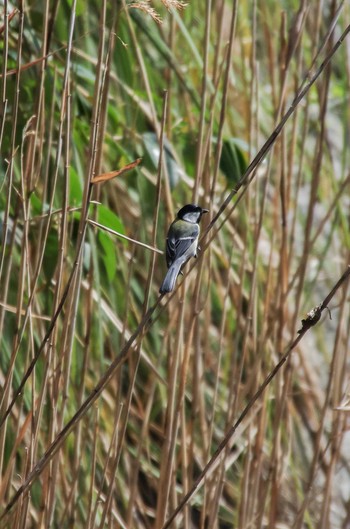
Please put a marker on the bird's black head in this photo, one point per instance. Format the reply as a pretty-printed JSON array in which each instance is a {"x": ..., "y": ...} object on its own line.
[{"x": 191, "y": 213}]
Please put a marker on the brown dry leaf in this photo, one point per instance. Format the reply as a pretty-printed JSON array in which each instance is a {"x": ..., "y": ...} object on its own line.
[{"x": 112, "y": 174}]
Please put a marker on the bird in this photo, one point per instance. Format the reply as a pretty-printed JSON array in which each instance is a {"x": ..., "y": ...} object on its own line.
[{"x": 181, "y": 243}]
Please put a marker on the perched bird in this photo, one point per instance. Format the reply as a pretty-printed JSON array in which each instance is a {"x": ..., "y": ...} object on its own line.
[{"x": 181, "y": 243}]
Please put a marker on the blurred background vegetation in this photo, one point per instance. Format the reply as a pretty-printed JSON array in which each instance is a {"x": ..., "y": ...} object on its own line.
[{"x": 87, "y": 88}]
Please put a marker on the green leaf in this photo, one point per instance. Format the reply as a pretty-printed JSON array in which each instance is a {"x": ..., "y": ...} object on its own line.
[
  {"x": 234, "y": 159},
  {"x": 36, "y": 205},
  {"x": 109, "y": 256},
  {"x": 85, "y": 74},
  {"x": 75, "y": 188},
  {"x": 152, "y": 146},
  {"x": 51, "y": 255},
  {"x": 80, "y": 6},
  {"x": 110, "y": 219}
]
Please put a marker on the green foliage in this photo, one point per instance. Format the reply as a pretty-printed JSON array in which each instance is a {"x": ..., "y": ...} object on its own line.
[
  {"x": 234, "y": 160},
  {"x": 153, "y": 150}
]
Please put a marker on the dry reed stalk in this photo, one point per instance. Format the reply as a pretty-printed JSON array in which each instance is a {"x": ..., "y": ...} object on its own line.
[
  {"x": 224, "y": 100},
  {"x": 199, "y": 154},
  {"x": 9, "y": 377}
]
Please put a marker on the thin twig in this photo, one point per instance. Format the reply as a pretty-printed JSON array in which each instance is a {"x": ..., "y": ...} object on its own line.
[{"x": 125, "y": 237}]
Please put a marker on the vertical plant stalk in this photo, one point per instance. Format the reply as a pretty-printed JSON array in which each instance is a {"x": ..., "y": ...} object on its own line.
[
  {"x": 317, "y": 163},
  {"x": 5, "y": 228},
  {"x": 337, "y": 376},
  {"x": 62, "y": 254},
  {"x": 224, "y": 100},
  {"x": 112, "y": 467},
  {"x": 109, "y": 457},
  {"x": 3, "y": 100},
  {"x": 170, "y": 434},
  {"x": 200, "y": 161},
  {"x": 212, "y": 504}
]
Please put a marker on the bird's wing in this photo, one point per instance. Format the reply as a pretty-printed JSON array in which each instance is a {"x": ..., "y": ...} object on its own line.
[{"x": 177, "y": 244}]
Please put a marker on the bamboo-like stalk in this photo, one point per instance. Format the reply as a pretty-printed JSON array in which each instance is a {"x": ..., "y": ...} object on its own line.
[
  {"x": 6, "y": 386},
  {"x": 3, "y": 77},
  {"x": 199, "y": 157}
]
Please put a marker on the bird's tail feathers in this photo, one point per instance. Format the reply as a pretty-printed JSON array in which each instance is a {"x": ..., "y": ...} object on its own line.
[{"x": 170, "y": 278}]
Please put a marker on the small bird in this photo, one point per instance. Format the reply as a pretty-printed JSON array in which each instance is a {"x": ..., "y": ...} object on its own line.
[{"x": 181, "y": 243}]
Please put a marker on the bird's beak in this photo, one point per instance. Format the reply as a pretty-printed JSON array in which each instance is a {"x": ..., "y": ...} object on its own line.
[{"x": 205, "y": 210}]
